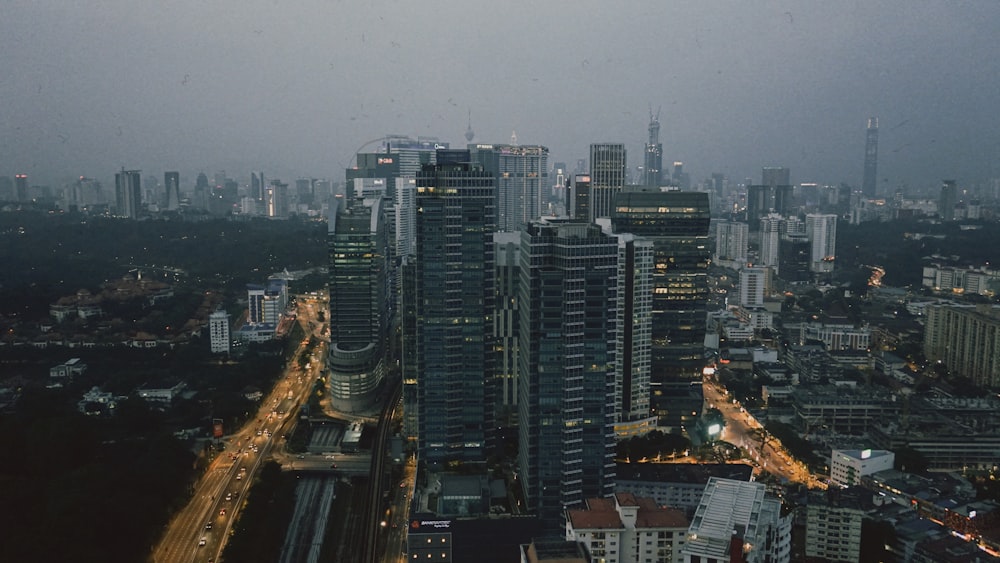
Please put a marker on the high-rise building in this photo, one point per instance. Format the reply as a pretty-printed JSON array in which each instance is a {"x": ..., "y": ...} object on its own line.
[
  {"x": 218, "y": 329},
  {"x": 681, "y": 179},
  {"x": 869, "y": 182},
  {"x": 965, "y": 339},
  {"x": 275, "y": 300},
  {"x": 128, "y": 193},
  {"x": 567, "y": 317},
  {"x": 607, "y": 177},
  {"x": 453, "y": 307},
  {"x": 833, "y": 523},
  {"x": 770, "y": 239},
  {"x": 257, "y": 184},
  {"x": 737, "y": 522},
  {"x": 413, "y": 154},
  {"x": 822, "y": 229},
  {"x": 652, "y": 168},
  {"x": 677, "y": 223},
  {"x": 773, "y": 195},
  {"x": 753, "y": 286},
  {"x": 521, "y": 173},
  {"x": 947, "y": 200},
  {"x": 508, "y": 266},
  {"x": 172, "y": 183},
  {"x": 633, "y": 345},
  {"x": 255, "y": 303},
  {"x": 732, "y": 241},
  {"x": 358, "y": 297},
  {"x": 579, "y": 204},
  {"x": 276, "y": 199},
  {"x": 21, "y": 187}
]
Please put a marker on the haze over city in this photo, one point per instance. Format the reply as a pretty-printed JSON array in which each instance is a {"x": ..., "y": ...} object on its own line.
[{"x": 297, "y": 87}]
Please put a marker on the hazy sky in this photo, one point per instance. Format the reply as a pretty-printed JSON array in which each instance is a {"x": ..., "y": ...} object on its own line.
[{"x": 294, "y": 87}]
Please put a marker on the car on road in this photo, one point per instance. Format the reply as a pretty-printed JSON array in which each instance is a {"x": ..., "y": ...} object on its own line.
[
  {"x": 229, "y": 496},
  {"x": 202, "y": 541},
  {"x": 222, "y": 512},
  {"x": 208, "y": 526}
]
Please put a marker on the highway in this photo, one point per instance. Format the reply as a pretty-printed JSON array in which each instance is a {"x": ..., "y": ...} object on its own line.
[{"x": 233, "y": 470}]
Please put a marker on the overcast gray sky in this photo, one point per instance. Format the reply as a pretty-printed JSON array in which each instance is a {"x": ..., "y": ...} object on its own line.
[{"x": 294, "y": 87}]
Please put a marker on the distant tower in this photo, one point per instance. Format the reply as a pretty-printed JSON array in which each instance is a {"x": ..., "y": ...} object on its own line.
[
  {"x": 172, "y": 182},
  {"x": 607, "y": 177},
  {"x": 469, "y": 133},
  {"x": 947, "y": 200},
  {"x": 513, "y": 138},
  {"x": 652, "y": 173},
  {"x": 868, "y": 183},
  {"x": 128, "y": 192},
  {"x": 21, "y": 187},
  {"x": 822, "y": 230}
]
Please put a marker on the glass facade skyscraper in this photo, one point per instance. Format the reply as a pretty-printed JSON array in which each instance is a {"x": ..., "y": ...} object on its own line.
[
  {"x": 358, "y": 302},
  {"x": 453, "y": 349},
  {"x": 677, "y": 223},
  {"x": 567, "y": 327}
]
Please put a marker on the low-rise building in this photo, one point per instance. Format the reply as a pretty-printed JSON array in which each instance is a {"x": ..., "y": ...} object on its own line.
[
  {"x": 627, "y": 529},
  {"x": 847, "y": 467},
  {"x": 69, "y": 368}
]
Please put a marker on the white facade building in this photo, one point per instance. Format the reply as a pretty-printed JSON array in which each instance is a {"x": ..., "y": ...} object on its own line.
[
  {"x": 848, "y": 466},
  {"x": 218, "y": 328},
  {"x": 770, "y": 236},
  {"x": 627, "y": 529},
  {"x": 822, "y": 230},
  {"x": 753, "y": 284},
  {"x": 731, "y": 243}
]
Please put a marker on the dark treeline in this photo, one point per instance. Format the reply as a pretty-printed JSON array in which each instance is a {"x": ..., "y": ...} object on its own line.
[
  {"x": 902, "y": 246},
  {"x": 47, "y": 256}
]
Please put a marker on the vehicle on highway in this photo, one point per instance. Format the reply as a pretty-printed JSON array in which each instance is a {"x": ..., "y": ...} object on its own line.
[
  {"x": 208, "y": 526},
  {"x": 222, "y": 512},
  {"x": 202, "y": 541},
  {"x": 229, "y": 496}
]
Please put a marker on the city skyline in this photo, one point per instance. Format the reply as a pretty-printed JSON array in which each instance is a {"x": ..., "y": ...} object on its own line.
[{"x": 288, "y": 88}]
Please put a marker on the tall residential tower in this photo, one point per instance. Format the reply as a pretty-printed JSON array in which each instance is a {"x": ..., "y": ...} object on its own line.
[{"x": 568, "y": 302}]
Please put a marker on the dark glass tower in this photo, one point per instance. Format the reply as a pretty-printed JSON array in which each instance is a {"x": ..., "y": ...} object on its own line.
[
  {"x": 869, "y": 183},
  {"x": 357, "y": 251},
  {"x": 652, "y": 169},
  {"x": 453, "y": 304},
  {"x": 567, "y": 319},
  {"x": 773, "y": 195},
  {"x": 677, "y": 223},
  {"x": 947, "y": 200}
]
